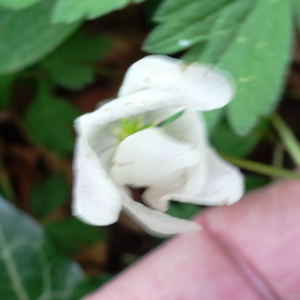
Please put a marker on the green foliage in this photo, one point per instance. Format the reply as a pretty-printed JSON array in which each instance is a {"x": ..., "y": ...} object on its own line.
[
  {"x": 72, "y": 10},
  {"x": 30, "y": 269},
  {"x": 212, "y": 118},
  {"x": 5, "y": 88},
  {"x": 183, "y": 210},
  {"x": 50, "y": 121},
  {"x": 69, "y": 66},
  {"x": 89, "y": 285},
  {"x": 227, "y": 142},
  {"x": 69, "y": 235},
  {"x": 27, "y": 35},
  {"x": 249, "y": 38},
  {"x": 17, "y": 4},
  {"x": 47, "y": 196},
  {"x": 182, "y": 24},
  {"x": 296, "y": 10},
  {"x": 254, "y": 182},
  {"x": 258, "y": 57},
  {"x": 171, "y": 119}
]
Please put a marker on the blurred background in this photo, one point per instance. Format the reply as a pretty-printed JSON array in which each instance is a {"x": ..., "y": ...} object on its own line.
[{"x": 60, "y": 59}]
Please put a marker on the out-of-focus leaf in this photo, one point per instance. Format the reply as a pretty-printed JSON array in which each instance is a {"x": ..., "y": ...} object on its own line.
[
  {"x": 183, "y": 210},
  {"x": 230, "y": 34},
  {"x": 170, "y": 119},
  {"x": 47, "y": 196},
  {"x": 212, "y": 117},
  {"x": 89, "y": 285},
  {"x": 70, "y": 235},
  {"x": 29, "y": 267},
  {"x": 71, "y": 76},
  {"x": 50, "y": 121},
  {"x": 72, "y": 10},
  {"x": 17, "y": 4},
  {"x": 69, "y": 65},
  {"x": 255, "y": 182},
  {"x": 182, "y": 24},
  {"x": 296, "y": 10},
  {"x": 194, "y": 52},
  {"x": 223, "y": 31},
  {"x": 5, "y": 87},
  {"x": 27, "y": 35},
  {"x": 227, "y": 142},
  {"x": 258, "y": 57}
]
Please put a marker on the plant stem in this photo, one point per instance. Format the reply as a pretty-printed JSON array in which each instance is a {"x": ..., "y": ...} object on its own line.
[
  {"x": 261, "y": 168},
  {"x": 278, "y": 156},
  {"x": 288, "y": 138}
]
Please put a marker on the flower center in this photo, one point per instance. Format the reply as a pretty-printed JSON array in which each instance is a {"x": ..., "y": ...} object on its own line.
[{"x": 131, "y": 126}]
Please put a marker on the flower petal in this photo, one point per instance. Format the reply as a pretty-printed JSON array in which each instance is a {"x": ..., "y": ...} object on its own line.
[
  {"x": 151, "y": 72},
  {"x": 205, "y": 88},
  {"x": 190, "y": 128},
  {"x": 154, "y": 196},
  {"x": 224, "y": 184},
  {"x": 96, "y": 200},
  {"x": 156, "y": 222},
  {"x": 132, "y": 105},
  {"x": 199, "y": 86},
  {"x": 149, "y": 156}
]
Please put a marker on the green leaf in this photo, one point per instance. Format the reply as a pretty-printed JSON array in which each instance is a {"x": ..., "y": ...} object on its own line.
[
  {"x": 72, "y": 10},
  {"x": 227, "y": 142},
  {"x": 183, "y": 24},
  {"x": 47, "y": 196},
  {"x": 170, "y": 119},
  {"x": 70, "y": 66},
  {"x": 90, "y": 285},
  {"x": 6, "y": 82},
  {"x": 229, "y": 19},
  {"x": 17, "y": 4},
  {"x": 254, "y": 182},
  {"x": 71, "y": 76},
  {"x": 50, "y": 120},
  {"x": 26, "y": 36},
  {"x": 30, "y": 269},
  {"x": 183, "y": 210},
  {"x": 258, "y": 57},
  {"x": 296, "y": 10},
  {"x": 230, "y": 34},
  {"x": 70, "y": 235},
  {"x": 212, "y": 118}
]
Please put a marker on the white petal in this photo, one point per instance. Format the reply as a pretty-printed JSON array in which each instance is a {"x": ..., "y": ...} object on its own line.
[
  {"x": 199, "y": 86},
  {"x": 156, "y": 222},
  {"x": 150, "y": 72},
  {"x": 132, "y": 105},
  {"x": 190, "y": 128},
  {"x": 155, "y": 196},
  {"x": 149, "y": 156},
  {"x": 224, "y": 184},
  {"x": 204, "y": 88},
  {"x": 96, "y": 200}
]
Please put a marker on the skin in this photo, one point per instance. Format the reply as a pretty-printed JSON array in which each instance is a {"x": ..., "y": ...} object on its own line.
[{"x": 247, "y": 251}]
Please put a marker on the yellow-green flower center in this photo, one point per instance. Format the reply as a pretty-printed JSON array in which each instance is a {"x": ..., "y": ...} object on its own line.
[{"x": 130, "y": 126}]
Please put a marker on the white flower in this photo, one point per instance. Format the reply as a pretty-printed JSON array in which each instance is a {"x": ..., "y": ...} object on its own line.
[{"x": 173, "y": 162}]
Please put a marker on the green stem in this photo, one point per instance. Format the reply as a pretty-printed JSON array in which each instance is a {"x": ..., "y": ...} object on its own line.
[
  {"x": 278, "y": 156},
  {"x": 261, "y": 168},
  {"x": 288, "y": 138}
]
